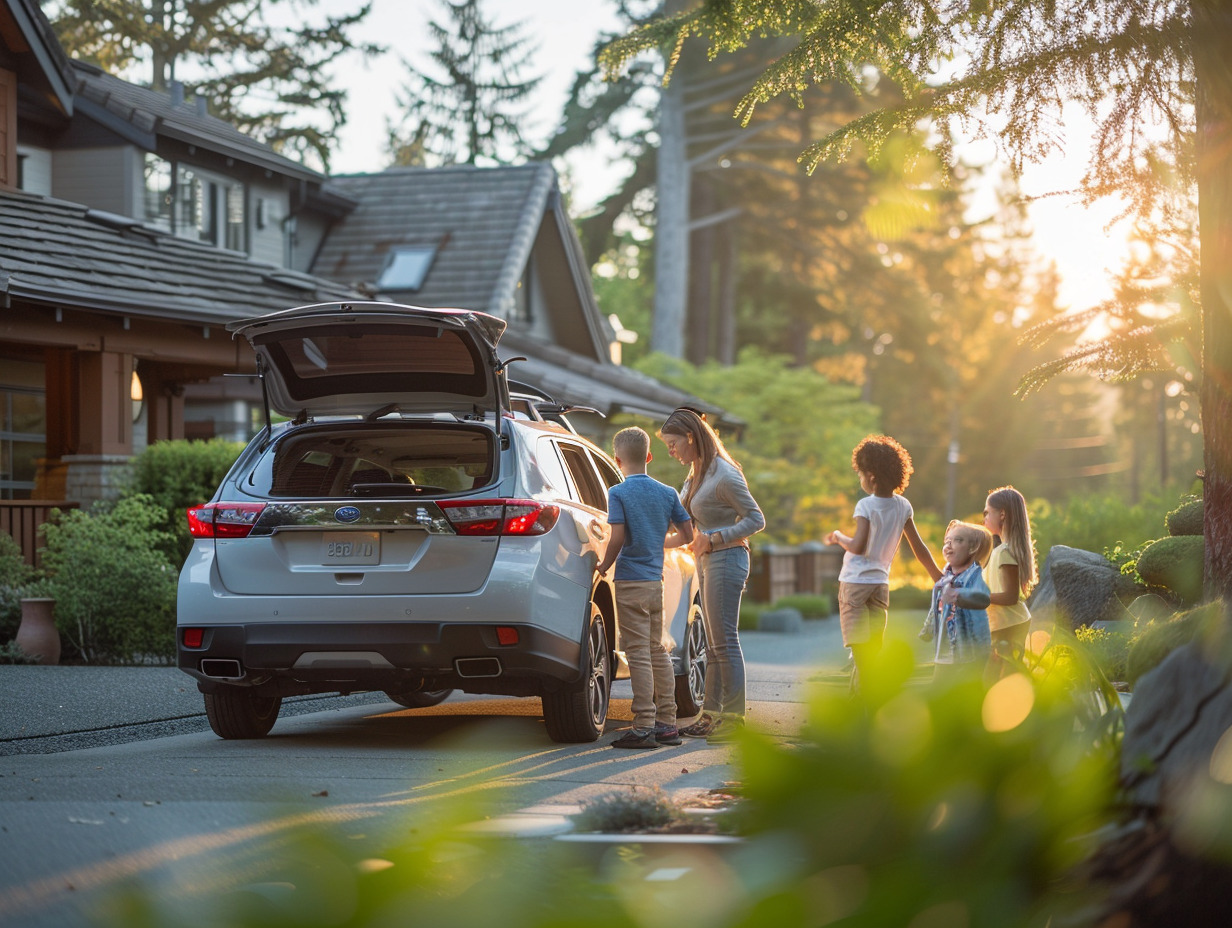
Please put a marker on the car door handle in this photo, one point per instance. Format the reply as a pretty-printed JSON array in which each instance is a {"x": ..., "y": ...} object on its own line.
[{"x": 598, "y": 529}]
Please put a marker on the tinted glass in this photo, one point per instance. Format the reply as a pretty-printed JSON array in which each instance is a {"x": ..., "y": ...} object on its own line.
[{"x": 407, "y": 460}]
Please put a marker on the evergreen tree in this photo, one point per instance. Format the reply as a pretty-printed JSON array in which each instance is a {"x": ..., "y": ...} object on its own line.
[
  {"x": 471, "y": 106},
  {"x": 1127, "y": 61},
  {"x": 271, "y": 81}
]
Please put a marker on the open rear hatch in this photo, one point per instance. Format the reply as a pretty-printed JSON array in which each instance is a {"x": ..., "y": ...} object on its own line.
[{"x": 372, "y": 359}]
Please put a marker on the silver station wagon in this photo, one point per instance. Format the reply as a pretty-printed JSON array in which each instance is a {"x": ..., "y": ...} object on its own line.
[{"x": 413, "y": 528}]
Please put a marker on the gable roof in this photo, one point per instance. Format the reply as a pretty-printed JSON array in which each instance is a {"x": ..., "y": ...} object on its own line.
[
  {"x": 483, "y": 221},
  {"x": 42, "y": 65},
  {"x": 53, "y": 251},
  {"x": 141, "y": 115}
]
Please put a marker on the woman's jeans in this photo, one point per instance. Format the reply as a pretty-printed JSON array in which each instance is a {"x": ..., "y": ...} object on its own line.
[{"x": 723, "y": 575}]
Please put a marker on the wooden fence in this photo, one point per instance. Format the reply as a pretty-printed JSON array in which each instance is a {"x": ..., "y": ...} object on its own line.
[{"x": 22, "y": 518}]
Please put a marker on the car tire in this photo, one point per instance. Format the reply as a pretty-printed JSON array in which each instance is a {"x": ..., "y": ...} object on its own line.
[
  {"x": 241, "y": 714},
  {"x": 420, "y": 699},
  {"x": 578, "y": 712},
  {"x": 691, "y": 685}
]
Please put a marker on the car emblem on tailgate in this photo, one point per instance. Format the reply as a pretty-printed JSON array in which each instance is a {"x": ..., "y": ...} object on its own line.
[{"x": 347, "y": 514}]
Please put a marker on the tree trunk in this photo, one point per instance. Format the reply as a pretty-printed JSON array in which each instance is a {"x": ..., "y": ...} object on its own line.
[
  {"x": 1212, "y": 37},
  {"x": 701, "y": 273},
  {"x": 671, "y": 224}
]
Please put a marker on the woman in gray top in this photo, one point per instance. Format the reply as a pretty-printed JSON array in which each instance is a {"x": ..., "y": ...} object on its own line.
[{"x": 724, "y": 515}]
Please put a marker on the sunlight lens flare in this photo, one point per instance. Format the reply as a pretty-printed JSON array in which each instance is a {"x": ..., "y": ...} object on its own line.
[{"x": 1008, "y": 703}]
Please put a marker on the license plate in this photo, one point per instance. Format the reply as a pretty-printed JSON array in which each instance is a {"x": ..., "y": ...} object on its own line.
[{"x": 350, "y": 549}]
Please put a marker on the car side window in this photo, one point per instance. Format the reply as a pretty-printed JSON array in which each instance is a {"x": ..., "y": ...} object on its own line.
[
  {"x": 583, "y": 472},
  {"x": 609, "y": 474},
  {"x": 550, "y": 468}
]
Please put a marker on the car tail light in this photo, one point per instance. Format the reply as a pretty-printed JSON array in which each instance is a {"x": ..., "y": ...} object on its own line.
[
  {"x": 506, "y": 635},
  {"x": 500, "y": 516},
  {"x": 193, "y": 637},
  {"x": 223, "y": 520}
]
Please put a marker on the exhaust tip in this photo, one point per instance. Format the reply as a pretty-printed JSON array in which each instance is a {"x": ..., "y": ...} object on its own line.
[
  {"x": 222, "y": 668},
  {"x": 477, "y": 667}
]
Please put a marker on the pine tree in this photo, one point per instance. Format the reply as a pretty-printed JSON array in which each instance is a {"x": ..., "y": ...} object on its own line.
[
  {"x": 1014, "y": 64},
  {"x": 472, "y": 106},
  {"x": 271, "y": 81}
]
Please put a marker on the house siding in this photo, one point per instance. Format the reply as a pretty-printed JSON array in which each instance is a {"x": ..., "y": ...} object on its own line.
[
  {"x": 100, "y": 178},
  {"x": 267, "y": 244},
  {"x": 36, "y": 170}
]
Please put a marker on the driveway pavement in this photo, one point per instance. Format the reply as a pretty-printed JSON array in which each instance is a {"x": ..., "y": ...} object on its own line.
[{"x": 40, "y": 701}]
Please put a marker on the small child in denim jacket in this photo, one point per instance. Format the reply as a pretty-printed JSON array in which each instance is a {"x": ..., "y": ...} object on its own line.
[{"x": 958, "y": 616}]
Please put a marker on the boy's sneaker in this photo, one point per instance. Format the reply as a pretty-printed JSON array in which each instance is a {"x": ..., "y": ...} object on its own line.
[
  {"x": 701, "y": 728},
  {"x": 725, "y": 730},
  {"x": 637, "y": 738},
  {"x": 667, "y": 734}
]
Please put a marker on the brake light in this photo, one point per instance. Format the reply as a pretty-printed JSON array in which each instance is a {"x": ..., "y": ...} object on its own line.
[
  {"x": 194, "y": 637},
  {"x": 223, "y": 520},
  {"x": 500, "y": 516}
]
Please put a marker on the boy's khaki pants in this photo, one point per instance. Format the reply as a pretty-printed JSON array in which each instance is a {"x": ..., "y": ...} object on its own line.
[{"x": 639, "y": 608}]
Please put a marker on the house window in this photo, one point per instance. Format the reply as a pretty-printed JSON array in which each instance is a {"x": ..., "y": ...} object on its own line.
[
  {"x": 209, "y": 208},
  {"x": 23, "y": 427},
  {"x": 157, "y": 194},
  {"x": 406, "y": 268}
]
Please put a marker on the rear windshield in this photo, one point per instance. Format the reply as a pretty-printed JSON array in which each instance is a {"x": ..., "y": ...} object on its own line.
[
  {"x": 336, "y": 360},
  {"x": 396, "y": 460}
]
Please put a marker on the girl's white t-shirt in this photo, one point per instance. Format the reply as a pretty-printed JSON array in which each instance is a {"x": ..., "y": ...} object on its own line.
[{"x": 886, "y": 517}]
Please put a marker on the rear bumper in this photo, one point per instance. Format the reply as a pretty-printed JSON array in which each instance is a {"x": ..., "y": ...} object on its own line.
[{"x": 295, "y": 658}]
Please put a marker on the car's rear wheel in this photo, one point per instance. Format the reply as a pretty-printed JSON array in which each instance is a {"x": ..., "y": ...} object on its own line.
[
  {"x": 241, "y": 714},
  {"x": 691, "y": 685},
  {"x": 579, "y": 711},
  {"x": 420, "y": 699}
]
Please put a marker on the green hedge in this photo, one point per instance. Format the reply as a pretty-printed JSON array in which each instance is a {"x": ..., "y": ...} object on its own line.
[
  {"x": 114, "y": 587},
  {"x": 176, "y": 475},
  {"x": 1186, "y": 519},
  {"x": 1159, "y": 639},
  {"x": 15, "y": 574}
]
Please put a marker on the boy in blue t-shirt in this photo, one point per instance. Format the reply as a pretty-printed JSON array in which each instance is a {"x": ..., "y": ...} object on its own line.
[{"x": 641, "y": 513}]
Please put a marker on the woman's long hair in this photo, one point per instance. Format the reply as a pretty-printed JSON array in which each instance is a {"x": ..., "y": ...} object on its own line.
[
  {"x": 1016, "y": 533},
  {"x": 686, "y": 423}
]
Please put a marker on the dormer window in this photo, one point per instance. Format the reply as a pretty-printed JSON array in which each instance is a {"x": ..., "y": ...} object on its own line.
[{"x": 406, "y": 269}]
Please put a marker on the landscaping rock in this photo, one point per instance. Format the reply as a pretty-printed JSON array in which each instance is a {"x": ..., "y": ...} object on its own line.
[
  {"x": 781, "y": 620},
  {"x": 1179, "y": 712},
  {"x": 1080, "y": 587}
]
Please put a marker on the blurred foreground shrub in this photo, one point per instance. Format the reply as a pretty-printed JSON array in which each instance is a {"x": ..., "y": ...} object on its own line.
[
  {"x": 113, "y": 585},
  {"x": 924, "y": 806}
]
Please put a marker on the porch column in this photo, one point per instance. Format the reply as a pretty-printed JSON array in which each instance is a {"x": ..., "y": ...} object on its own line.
[{"x": 105, "y": 426}]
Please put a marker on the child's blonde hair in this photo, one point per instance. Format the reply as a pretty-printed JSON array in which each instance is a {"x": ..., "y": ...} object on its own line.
[
  {"x": 1016, "y": 533},
  {"x": 631, "y": 444},
  {"x": 979, "y": 537}
]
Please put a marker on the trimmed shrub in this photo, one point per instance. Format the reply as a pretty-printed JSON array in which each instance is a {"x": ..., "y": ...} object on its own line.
[
  {"x": 750, "y": 615},
  {"x": 911, "y": 597},
  {"x": 176, "y": 475},
  {"x": 1175, "y": 563},
  {"x": 1186, "y": 519},
  {"x": 1159, "y": 639},
  {"x": 809, "y": 605},
  {"x": 113, "y": 585},
  {"x": 15, "y": 573}
]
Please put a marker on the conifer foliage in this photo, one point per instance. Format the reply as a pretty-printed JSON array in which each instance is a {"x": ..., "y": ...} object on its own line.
[
  {"x": 470, "y": 106},
  {"x": 261, "y": 65}
]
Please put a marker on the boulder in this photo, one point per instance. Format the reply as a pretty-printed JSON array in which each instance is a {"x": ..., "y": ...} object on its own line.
[
  {"x": 1178, "y": 715},
  {"x": 781, "y": 620},
  {"x": 1080, "y": 587}
]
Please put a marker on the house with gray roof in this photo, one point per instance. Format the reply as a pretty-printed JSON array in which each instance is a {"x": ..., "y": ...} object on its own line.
[{"x": 134, "y": 225}]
